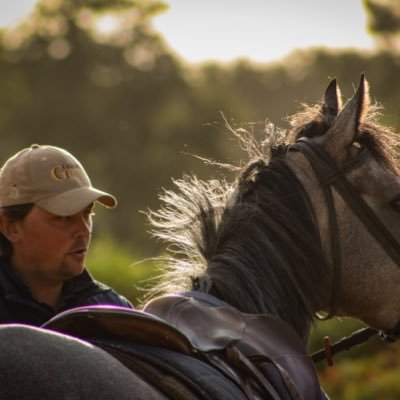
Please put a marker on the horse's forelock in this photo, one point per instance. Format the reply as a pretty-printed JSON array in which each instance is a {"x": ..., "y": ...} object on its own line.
[
  {"x": 311, "y": 121},
  {"x": 383, "y": 143}
]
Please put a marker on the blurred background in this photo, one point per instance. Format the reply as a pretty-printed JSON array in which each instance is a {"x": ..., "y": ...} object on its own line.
[{"x": 134, "y": 88}]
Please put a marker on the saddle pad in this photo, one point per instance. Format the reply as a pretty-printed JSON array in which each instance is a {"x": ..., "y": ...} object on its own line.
[{"x": 204, "y": 381}]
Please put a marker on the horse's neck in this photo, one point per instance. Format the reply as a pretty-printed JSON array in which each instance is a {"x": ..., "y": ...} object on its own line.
[{"x": 280, "y": 256}]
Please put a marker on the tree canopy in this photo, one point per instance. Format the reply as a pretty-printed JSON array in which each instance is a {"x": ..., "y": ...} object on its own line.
[{"x": 96, "y": 78}]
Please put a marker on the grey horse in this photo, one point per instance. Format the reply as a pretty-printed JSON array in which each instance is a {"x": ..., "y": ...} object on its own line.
[{"x": 309, "y": 225}]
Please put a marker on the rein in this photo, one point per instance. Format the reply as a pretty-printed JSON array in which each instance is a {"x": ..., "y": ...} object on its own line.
[{"x": 329, "y": 174}]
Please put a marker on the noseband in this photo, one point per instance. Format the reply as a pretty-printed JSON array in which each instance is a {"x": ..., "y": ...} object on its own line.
[{"x": 329, "y": 174}]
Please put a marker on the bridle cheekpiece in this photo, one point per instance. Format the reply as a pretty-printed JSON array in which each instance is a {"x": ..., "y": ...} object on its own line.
[{"x": 330, "y": 175}]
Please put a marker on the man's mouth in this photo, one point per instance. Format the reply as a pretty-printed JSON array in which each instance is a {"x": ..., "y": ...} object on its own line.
[{"x": 78, "y": 251}]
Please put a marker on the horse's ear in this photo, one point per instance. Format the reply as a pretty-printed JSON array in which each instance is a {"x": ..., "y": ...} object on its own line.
[
  {"x": 332, "y": 99},
  {"x": 345, "y": 128}
]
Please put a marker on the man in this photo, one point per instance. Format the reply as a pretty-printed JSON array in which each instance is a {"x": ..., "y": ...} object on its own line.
[{"x": 46, "y": 204}]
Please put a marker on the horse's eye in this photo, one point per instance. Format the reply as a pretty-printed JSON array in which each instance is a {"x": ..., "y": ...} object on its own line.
[{"x": 358, "y": 145}]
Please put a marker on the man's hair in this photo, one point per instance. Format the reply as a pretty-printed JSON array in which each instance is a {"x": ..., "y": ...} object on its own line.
[{"x": 13, "y": 213}]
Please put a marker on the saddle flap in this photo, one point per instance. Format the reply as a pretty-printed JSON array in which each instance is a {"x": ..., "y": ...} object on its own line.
[
  {"x": 267, "y": 335},
  {"x": 112, "y": 322},
  {"x": 224, "y": 325},
  {"x": 256, "y": 336}
]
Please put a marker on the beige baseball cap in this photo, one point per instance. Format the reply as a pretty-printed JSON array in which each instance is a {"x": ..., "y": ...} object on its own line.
[{"x": 50, "y": 177}]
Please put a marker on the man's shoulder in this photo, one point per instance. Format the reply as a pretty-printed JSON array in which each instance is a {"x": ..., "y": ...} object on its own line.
[
  {"x": 85, "y": 290},
  {"x": 108, "y": 296},
  {"x": 11, "y": 284}
]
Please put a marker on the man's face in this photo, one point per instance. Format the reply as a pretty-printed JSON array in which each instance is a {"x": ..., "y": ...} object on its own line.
[{"x": 51, "y": 248}]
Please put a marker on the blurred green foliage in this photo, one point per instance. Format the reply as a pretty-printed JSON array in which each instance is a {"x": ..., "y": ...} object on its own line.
[
  {"x": 133, "y": 112},
  {"x": 117, "y": 266},
  {"x": 383, "y": 17},
  {"x": 371, "y": 377}
]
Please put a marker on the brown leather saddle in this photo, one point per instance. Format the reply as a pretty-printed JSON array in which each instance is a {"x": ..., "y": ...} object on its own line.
[{"x": 260, "y": 353}]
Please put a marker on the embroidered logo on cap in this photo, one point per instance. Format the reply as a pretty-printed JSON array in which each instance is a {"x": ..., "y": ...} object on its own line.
[{"x": 63, "y": 172}]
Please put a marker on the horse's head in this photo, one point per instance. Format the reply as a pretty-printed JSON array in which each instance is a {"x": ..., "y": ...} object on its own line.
[
  {"x": 351, "y": 156},
  {"x": 308, "y": 225}
]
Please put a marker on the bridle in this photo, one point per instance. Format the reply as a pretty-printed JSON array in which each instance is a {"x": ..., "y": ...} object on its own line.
[{"x": 330, "y": 175}]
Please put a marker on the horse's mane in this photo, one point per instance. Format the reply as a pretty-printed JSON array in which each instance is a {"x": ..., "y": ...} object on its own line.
[{"x": 252, "y": 242}]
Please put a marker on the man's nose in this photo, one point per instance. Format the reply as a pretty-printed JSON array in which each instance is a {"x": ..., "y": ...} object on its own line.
[{"x": 84, "y": 226}]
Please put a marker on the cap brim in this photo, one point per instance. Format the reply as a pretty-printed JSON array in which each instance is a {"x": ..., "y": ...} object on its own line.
[{"x": 75, "y": 200}]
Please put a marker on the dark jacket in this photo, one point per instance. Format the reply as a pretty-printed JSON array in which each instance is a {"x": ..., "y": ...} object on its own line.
[{"x": 17, "y": 304}]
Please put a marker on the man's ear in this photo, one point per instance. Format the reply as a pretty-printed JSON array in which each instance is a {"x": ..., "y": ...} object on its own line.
[{"x": 10, "y": 229}]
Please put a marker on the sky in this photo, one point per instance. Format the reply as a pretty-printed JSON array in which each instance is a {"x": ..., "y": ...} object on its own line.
[{"x": 260, "y": 30}]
